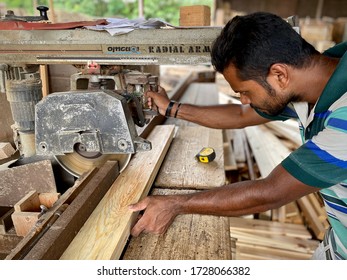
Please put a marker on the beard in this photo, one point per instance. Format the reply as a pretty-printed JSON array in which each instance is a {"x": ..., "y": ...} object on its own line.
[{"x": 274, "y": 105}]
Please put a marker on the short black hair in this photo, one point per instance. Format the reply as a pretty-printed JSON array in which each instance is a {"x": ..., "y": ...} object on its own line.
[{"x": 254, "y": 42}]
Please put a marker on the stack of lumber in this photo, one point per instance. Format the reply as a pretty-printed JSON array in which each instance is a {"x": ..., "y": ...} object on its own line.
[
  {"x": 269, "y": 240},
  {"x": 269, "y": 151},
  {"x": 318, "y": 32}
]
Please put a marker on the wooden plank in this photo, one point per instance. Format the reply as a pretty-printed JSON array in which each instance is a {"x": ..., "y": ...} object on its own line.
[
  {"x": 6, "y": 150},
  {"x": 30, "y": 202},
  {"x": 268, "y": 152},
  {"x": 48, "y": 199},
  {"x": 312, "y": 217},
  {"x": 270, "y": 227},
  {"x": 105, "y": 233},
  {"x": 24, "y": 221},
  {"x": 228, "y": 151},
  {"x": 27, "y": 212},
  {"x": 57, "y": 238},
  {"x": 45, "y": 79},
  {"x": 246, "y": 251},
  {"x": 293, "y": 214},
  {"x": 286, "y": 130},
  {"x": 16, "y": 182},
  {"x": 239, "y": 145},
  {"x": 229, "y": 158},
  {"x": 190, "y": 237},
  {"x": 180, "y": 169},
  {"x": 196, "y": 15}
]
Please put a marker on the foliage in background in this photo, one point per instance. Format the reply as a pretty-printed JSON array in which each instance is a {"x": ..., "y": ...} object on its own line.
[{"x": 167, "y": 10}]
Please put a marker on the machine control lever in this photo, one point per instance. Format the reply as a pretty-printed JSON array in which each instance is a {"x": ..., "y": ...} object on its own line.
[{"x": 10, "y": 16}]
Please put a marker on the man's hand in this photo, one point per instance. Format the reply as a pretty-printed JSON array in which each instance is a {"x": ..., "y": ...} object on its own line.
[
  {"x": 160, "y": 211},
  {"x": 158, "y": 100}
]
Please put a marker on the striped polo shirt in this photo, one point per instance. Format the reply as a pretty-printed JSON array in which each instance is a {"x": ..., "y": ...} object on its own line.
[{"x": 322, "y": 160}]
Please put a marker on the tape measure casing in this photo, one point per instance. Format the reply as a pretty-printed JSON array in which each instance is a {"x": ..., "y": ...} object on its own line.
[{"x": 206, "y": 155}]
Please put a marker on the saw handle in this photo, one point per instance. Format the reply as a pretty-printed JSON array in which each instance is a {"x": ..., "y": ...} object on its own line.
[{"x": 43, "y": 12}]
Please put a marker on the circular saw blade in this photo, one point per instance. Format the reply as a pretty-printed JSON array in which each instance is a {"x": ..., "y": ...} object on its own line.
[{"x": 76, "y": 164}]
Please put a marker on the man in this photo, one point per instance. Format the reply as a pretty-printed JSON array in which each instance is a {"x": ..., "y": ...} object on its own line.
[{"x": 278, "y": 76}]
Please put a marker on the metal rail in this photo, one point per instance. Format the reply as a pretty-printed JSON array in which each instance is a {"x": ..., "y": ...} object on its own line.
[{"x": 80, "y": 46}]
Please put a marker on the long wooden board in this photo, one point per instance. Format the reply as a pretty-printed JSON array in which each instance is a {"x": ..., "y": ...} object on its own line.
[
  {"x": 105, "y": 233},
  {"x": 267, "y": 148},
  {"x": 180, "y": 169},
  {"x": 190, "y": 237},
  {"x": 268, "y": 151}
]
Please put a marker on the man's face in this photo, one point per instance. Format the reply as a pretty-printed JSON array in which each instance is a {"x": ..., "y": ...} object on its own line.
[{"x": 270, "y": 100}]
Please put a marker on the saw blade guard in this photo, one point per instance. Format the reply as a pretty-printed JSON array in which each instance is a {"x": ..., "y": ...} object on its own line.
[{"x": 86, "y": 128}]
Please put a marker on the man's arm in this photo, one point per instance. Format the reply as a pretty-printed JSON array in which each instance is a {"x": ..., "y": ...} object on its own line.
[
  {"x": 242, "y": 198},
  {"x": 226, "y": 116}
]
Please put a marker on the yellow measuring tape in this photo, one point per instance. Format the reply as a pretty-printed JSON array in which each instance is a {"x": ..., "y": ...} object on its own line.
[{"x": 206, "y": 155}]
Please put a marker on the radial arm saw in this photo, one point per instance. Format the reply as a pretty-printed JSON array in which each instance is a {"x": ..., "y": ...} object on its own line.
[{"x": 96, "y": 119}]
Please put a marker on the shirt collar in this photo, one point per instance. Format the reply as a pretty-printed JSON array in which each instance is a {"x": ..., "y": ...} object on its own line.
[{"x": 337, "y": 84}]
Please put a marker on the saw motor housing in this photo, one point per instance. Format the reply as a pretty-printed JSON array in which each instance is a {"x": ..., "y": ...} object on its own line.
[{"x": 98, "y": 115}]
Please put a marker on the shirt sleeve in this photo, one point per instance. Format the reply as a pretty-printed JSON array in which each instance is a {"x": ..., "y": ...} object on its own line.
[{"x": 322, "y": 161}]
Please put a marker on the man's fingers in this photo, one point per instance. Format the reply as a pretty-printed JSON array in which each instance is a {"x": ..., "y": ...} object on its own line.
[
  {"x": 138, "y": 206},
  {"x": 137, "y": 229}
]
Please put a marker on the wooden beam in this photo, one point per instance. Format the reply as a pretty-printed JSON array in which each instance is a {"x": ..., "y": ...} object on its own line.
[
  {"x": 44, "y": 79},
  {"x": 105, "y": 233}
]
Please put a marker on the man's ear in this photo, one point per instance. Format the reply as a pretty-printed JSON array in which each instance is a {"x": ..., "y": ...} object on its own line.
[{"x": 279, "y": 74}]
